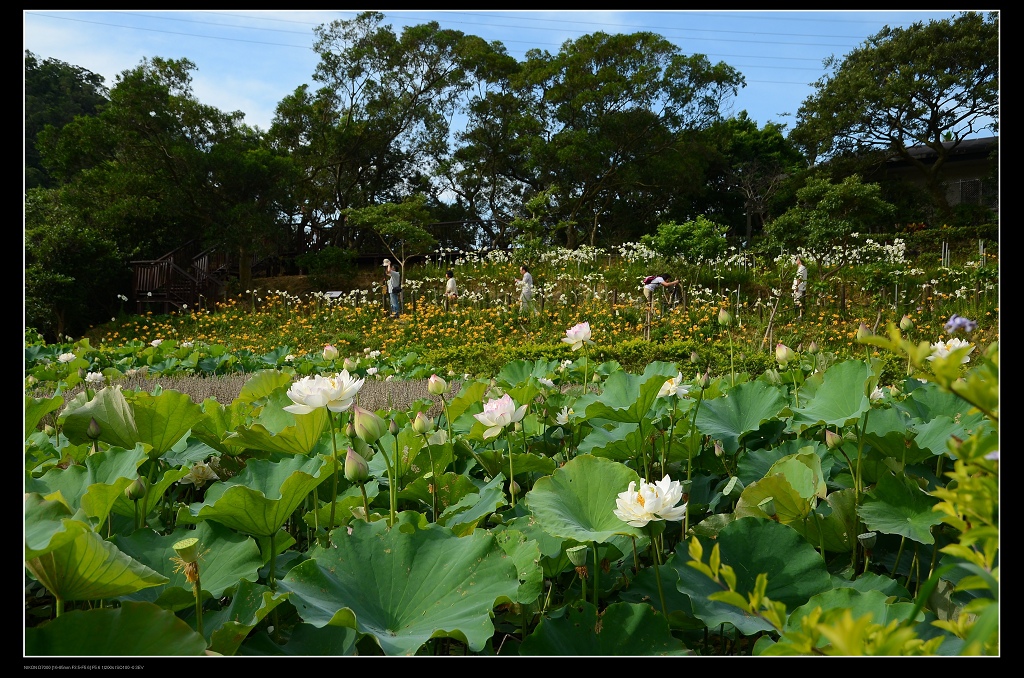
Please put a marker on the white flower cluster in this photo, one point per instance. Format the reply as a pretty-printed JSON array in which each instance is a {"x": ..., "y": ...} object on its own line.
[{"x": 636, "y": 252}]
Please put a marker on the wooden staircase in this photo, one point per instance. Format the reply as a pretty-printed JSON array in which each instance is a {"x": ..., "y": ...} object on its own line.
[{"x": 187, "y": 278}]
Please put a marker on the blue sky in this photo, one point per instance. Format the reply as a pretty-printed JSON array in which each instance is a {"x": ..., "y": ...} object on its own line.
[{"x": 248, "y": 60}]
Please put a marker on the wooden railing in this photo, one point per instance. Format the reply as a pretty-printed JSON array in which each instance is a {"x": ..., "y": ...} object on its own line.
[{"x": 178, "y": 280}]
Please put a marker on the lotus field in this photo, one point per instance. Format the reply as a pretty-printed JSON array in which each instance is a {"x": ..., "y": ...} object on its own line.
[{"x": 841, "y": 500}]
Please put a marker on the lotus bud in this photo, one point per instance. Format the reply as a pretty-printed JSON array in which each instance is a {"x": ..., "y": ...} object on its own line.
[
  {"x": 350, "y": 429},
  {"x": 369, "y": 427},
  {"x": 422, "y": 424},
  {"x": 436, "y": 385},
  {"x": 832, "y": 440},
  {"x": 724, "y": 318},
  {"x": 93, "y": 430},
  {"x": 694, "y": 358},
  {"x": 187, "y": 549},
  {"x": 719, "y": 450},
  {"x": 812, "y": 348},
  {"x": 393, "y": 427},
  {"x": 349, "y": 364},
  {"x": 784, "y": 354},
  {"x": 705, "y": 380},
  {"x": 330, "y": 352},
  {"x": 863, "y": 331},
  {"x": 356, "y": 469},
  {"x": 137, "y": 490},
  {"x": 577, "y": 555},
  {"x": 867, "y": 540},
  {"x": 596, "y": 378},
  {"x": 49, "y": 430},
  {"x": 906, "y": 324},
  {"x": 362, "y": 448},
  {"x": 82, "y": 372}
]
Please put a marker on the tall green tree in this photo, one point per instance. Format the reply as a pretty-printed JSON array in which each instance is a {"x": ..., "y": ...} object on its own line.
[
  {"x": 398, "y": 226},
  {"x": 55, "y": 93},
  {"x": 932, "y": 84},
  {"x": 827, "y": 217},
  {"x": 598, "y": 120}
]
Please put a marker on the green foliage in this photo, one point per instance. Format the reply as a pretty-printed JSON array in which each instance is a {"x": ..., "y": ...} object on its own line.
[
  {"x": 328, "y": 266},
  {"x": 692, "y": 241}
]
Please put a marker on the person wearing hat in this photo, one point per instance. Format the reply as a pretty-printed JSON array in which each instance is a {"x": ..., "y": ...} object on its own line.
[{"x": 394, "y": 283}]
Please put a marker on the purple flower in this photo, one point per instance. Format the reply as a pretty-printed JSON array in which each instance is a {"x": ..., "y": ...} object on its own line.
[{"x": 957, "y": 322}]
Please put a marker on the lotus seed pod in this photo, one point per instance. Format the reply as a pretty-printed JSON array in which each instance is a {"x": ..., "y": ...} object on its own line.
[{"x": 187, "y": 549}]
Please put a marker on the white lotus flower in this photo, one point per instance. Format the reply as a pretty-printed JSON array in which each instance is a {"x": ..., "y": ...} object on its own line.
[
  {"x": 498, "y": 414},
  {"x": 941, "y": 349},
  {"x": 65, "y": 357},
  {"x": 653, "y": 501},
  {"x": 335, "y": 393},
  {"x": 94, "y": 378},
  {"x": 156, "y": 342},
  {"x": 199, "y": 475},
  {"x": 330, "y": 352},
  {"x": 562, "y": 418},
  {"x": 547, "y": 383},
  {"x": 577, "y": 335},
  {"x": 674, "y": 386}
]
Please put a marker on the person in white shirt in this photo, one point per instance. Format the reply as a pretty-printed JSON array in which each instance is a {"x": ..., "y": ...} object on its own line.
[
  {"x": 659, "y": 281},
  {"x": 450, "y": 291},
  {"x": 526, "y": 296}
]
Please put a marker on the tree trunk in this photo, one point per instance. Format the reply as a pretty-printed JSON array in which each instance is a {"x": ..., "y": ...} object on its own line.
[{"x": 244, "y": 268}]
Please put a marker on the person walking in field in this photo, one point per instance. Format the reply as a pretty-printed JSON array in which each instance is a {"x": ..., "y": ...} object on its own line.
[{"x": 652, "y": 283}]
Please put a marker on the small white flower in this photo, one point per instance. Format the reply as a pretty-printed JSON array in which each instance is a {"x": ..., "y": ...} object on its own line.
[
  {"x": 370, "y": 371},
  {"x": 156, "y": 342},
  {"x": 186, "y": 344},
  {"x": 562, "y": 418},
  {"x": 94, "y": 378},
  {"x": 289, "y": 358},
  {"x": 65, "y": 357}
]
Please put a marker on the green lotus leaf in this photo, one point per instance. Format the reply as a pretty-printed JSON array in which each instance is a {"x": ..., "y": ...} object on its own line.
[
  {"x": 260, "y": 499},
  {"x": 37, "y": 408},
  {"x": 163, "y": 420},
  {"x": 753, "y": 546},
  {"x": 472, "y": 393},
  {"x": 96, "y": 486},
  {"x": 620, "y": 442},
  {"x": 803, "y": 471},
  {"x": 753, "y": 467},
  {"x": 790, "y": 506},
  {"x": 405, "y": 588},
  {"x": 303, "y": 438},
  {"x": 869, "y": 581},
  {"x": 838, "y": 529},
  {"x": 526, "y": 555},
  {"x": 741, "y": 411},
  {"x": 220, "y": 422},
  {"x": 228, "y": 627},
  {"x": 306, "y": 641},
  {"x": 643, "y": 588},
  {"x": 622, "y": 629},
  {"x": 841, "y": 399},
  {"x": 520, "y": 371},
  {"x": 349, "y": 498},
  {"x": 551, "y": 547},
  {"x": 462, "y": 516},
  {"x": 627, "y": 397},
  {"x": 132, "y": 630},
  {"x": 110, "y": 410},
  {"x": 891, "y": 433},
  {"x": 263, "y": 383},
  {"x": 932, "y": 437},
  {"x": 90, "y": 568},
  {"x": 123, "y": 506},
  {"x": 49, "y": 524},
  {"x": 897, "y": 505},
  {"x": 228, "y": 557},
  {"x": 577, "y": 501}
]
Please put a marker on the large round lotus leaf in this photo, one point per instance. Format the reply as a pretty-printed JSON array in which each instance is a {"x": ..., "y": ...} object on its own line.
[
  {"x": 841, "y": 399},
  {"x": 623, "y": 629},
  {"x": 306, "y": 641},
  {"x": 89, "y": 568},
  {"x": 753, "y": 546},
  {"x": 96, "y": 486},
  {"x": 229, "y": 626},
  {"x": 900, "y": 506},
  {"x": 405, "y": 588},
  {"x": 260, "y": 499},
  {"x": 577, "y": 501},
  {"x": 228, "y": 557},
  {"x": 132, "y": 630},
  {"x": 742, "y": 411}
]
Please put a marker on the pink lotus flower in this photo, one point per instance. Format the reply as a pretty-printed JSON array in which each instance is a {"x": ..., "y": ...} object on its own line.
[
  {"x": 577, "y": 335},
  {"x": 498, "y": 414}
]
